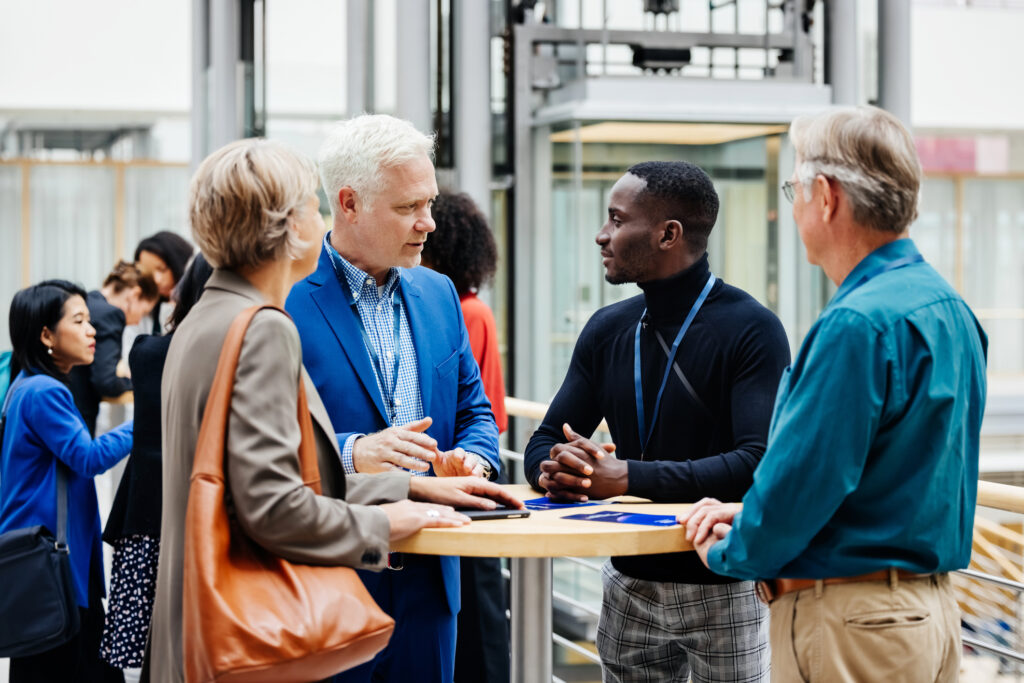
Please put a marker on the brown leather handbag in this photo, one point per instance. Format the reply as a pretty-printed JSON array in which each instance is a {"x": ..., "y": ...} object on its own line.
[{"x": 249, "y": 615}]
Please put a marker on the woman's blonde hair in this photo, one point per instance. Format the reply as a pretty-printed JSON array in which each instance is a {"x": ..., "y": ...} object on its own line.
[
  {"x": 241, "y": 199},
  {"x": 872, "y": 156}
]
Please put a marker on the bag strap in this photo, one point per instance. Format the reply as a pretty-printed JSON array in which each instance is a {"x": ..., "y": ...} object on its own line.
[
  {"x": 62, "y": 506},
  {"x": 62, "y": 475},
  {"x": 212, "y": 442}
]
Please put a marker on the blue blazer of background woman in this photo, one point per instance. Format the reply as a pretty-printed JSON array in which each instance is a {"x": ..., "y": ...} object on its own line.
[{"x": 51, "y": 333}]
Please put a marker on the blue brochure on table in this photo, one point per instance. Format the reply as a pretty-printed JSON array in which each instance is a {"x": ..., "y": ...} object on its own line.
[
  {"x": 547, "y": 504},
  {"x": 626, "y": 518}
]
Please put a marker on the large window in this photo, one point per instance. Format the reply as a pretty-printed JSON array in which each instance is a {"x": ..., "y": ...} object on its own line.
[{"x": 971, "y": 229}]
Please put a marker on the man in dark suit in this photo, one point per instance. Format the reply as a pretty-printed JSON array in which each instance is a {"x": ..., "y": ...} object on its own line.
[{"x": 386, "y": 346}]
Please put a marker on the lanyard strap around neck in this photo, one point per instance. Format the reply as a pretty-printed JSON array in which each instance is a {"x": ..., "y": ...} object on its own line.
[
  {"x": 875, "y": 272},
  {"x": 644, "y": 431},
  {"x": 387, "y": 394}
]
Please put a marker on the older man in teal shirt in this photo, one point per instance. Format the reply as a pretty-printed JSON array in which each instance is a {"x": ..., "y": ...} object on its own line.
[{"x": 865, "y": 497}]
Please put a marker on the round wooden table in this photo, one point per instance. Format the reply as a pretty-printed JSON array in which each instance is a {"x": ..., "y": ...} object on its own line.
[{"x": 531, "y": 543}]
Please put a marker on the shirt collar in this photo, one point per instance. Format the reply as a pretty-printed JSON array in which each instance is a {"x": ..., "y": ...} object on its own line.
[
  {"x": 359, "y": 281},
  {"x": 884, "y": 254}
]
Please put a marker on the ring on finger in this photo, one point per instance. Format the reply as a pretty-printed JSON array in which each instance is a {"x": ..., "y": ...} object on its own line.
[{"x": 433, "y": 514}]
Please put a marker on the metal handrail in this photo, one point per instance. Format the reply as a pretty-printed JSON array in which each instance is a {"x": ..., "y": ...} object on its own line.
[
  {"x": 992, "y": 578},
  {"x": 569, "y": 645},
  {"x": 995, "y": 649}
]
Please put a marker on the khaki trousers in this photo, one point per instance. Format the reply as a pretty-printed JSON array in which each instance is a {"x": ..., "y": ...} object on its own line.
[{"x": 901, "y": 631}]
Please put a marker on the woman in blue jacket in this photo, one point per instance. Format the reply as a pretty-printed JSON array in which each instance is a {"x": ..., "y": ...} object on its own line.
[{"x": 51, "y": 333}]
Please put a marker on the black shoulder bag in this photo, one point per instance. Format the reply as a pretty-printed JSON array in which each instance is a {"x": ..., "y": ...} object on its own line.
[{"x": 38, "y": 611}]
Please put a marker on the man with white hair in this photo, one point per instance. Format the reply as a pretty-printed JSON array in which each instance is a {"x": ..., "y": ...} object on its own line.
[
  {"x": 385, "y": 344},
  {"x": 864, "y": 499}
]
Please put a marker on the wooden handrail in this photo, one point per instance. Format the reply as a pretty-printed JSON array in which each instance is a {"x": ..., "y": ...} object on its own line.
[
  {"x": 1001, "y": 496},
  {"x": 533, "y": 410}
]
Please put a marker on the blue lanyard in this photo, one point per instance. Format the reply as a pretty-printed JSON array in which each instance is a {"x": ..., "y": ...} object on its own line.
[
  {"x": 389, "y": 395},
  {"x": 875, "y": 272},
  {"x": 645, "y": 433}
]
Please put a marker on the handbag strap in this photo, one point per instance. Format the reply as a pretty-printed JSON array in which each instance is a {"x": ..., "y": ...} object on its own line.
[
  {"x": 62, "y": 475},
  {"x": 212, "y": 441}
]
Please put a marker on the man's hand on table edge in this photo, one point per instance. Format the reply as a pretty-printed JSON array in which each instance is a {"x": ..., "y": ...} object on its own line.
[
  {"x": 462, "y": 492},
  {"x": 708, "y": 522}
]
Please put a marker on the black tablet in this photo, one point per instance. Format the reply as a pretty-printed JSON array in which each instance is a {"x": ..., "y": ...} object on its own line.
[{"x": 500, "y": 512}]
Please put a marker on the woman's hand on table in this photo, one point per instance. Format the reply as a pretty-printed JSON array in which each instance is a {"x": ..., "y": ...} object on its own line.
[
  {"x": 406, "y": 517},
  {"x": 463, "y": 492}
]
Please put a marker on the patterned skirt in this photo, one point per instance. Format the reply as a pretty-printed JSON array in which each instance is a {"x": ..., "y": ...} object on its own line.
[{"x": 132, "y": 588}]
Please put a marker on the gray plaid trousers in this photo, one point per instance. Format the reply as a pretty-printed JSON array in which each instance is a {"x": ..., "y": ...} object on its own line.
[{"x": 652, "y": 631}]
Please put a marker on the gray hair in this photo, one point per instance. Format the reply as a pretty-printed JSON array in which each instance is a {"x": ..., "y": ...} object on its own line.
[
  {"x": 870, "y": 154},
  {"x": 242, "y": 198},
  {"x": 357, "y": 151}
]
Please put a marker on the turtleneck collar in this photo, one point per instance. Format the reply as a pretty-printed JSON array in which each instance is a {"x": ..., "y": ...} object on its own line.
[{"x": 669, "y": 299}]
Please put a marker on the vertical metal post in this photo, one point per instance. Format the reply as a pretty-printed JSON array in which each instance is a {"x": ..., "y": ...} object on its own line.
[
  {"x": 1018, "y": 669},
  {"x": 26, "y": 224},
  {"x": 412, "y": 64},
  {"x": 803, "y": 47},
  {"x": 531, "y": 620},
  {"x": 894, "y": 58},
  {"x": 959, "y": 269},
  {"x": 225, "y": 92},
  {"x": 471, "y": 107},
  {"x": 520, "y": 111},
  {"x": 358, "y": 99},
  {"x": 842, "y": 65},
  {"x": 119, "y": 212},
  {"x": 200, "y": 85}
]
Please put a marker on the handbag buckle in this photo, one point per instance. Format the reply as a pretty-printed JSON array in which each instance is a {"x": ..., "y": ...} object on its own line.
[
  {"x": 396, "y": 562},
  {"x": 60, "y": 547}
]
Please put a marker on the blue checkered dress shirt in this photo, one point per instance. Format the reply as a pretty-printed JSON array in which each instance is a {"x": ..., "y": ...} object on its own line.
[{"x": 376, "y": 310}]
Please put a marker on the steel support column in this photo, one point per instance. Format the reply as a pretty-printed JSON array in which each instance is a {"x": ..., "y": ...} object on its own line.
[
  {"x": 225, "y": 93},
  {"x": 842, "y": 62},
  {"x": 471, "y": 107},
  {"x": 200, "y": 84},
  {"x": 894, "y": 58},
  {"x": 412, "y": 66},
  {"x": 531, "y": 619},
  {"x": 358, "y": 57}
]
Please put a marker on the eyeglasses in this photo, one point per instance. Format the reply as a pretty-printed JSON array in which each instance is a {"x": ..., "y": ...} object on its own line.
[{"x": 789, "y": 189}]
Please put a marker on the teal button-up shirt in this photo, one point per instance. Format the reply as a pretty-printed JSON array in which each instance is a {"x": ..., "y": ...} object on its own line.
[{"x": 872, "y": 457}]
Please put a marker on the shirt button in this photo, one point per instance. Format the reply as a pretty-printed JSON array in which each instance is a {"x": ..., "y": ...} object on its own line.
[
  {"x": 369, "y": 280},
  {"x": 398, "y": 402}
]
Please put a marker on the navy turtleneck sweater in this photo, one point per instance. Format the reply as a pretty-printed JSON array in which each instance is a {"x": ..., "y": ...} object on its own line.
[{"x": 708, "y": 437}]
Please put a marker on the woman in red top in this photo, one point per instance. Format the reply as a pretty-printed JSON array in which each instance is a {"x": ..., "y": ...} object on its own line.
[{"x": 462, "y": 247}]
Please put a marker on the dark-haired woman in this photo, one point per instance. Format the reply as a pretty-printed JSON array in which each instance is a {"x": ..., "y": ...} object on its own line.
[
  {"x": 462, "y": 247},
  {"x": 51, "y": 333},
  {"x": 133, "y": 526},
  {"x": 164, "y": 256},
  {"x": 127, "y": 296}
]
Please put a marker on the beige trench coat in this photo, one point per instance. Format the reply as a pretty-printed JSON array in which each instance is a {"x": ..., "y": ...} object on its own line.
[{"x": 272, "y": 505}]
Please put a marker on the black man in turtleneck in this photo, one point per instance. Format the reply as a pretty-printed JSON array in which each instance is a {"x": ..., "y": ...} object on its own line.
[{"x": 683, "y": 430}]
